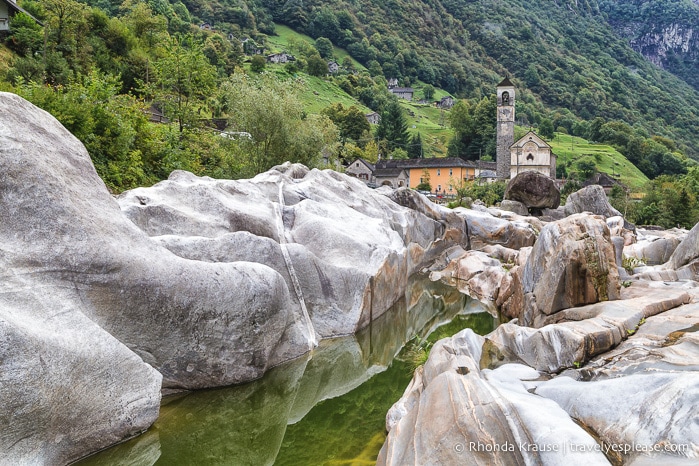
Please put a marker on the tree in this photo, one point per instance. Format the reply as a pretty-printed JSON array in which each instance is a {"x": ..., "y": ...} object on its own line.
[
  {"x": 586, "y": 168},
  {"x": 350, "y": 121},
  {"x": 184, "y": 81},
  {"x": 428, "y": 91},
  {"x": 415, "y": 147},
  {"x": 316, "y": 66},
  {"x": 461, "y": 121},
  {"x": 546, "y": 129},
  {"x": 424, "y": 184},
  {"x": 270, "y": 111},
  {"x": 257, "y": 64},
  {"x": 393, "y": 127},
  {"x": 324, "y": 47}
]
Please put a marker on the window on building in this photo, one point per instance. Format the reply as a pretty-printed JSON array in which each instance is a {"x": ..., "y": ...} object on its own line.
[
  {"x": 450, "y": 172},
  {"x": 530, "y": 157},
  {"x": 439, "y": 187},
  {"x": 439, "y": 172}
]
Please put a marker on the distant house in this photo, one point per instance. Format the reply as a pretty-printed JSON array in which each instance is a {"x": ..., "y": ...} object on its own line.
[
  {"x": 604, "y": 180},
  {"x": 531, "y": 153},
  {"x": 280, "y": 58},
  {"x": 361, "y": 169},
  {"x": 373, "y": 118},
  {"x": 444, "y": 173},
  {"x": 403, "y": 92},
  {"x": 251, "y": 48},
  {"x": 333, "y": 67},
  {"x": 395, "y": 177},
  {"x": 487, "y": 176},
  {"x": 446, "y": 102},
  {"x": 155, "y": 113},
  {"x": 9, "y": 8},
  {"x": 392, "y": 82},
  {"x": 206, "y": 26}
]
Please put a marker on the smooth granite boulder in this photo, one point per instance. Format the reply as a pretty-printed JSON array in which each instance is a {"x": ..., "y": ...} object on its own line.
[
  {"x": 486, "y": 229},
  {"x": 344, "y": 251},
  {"x": 67, "y": 387},
  {"x": 533, "y": 189},
  {"x": 514, "y": 206},
  {"x": 529, "y": 396},
  {"x": 687, "y": 251},
  {"x": 455, "y": 413},
  {"x": 590, "y": 199},
  {"x": 572, "y": 263}
]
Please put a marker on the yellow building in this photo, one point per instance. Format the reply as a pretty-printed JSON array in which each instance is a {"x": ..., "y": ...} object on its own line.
[{"x": 443, "y": 174}]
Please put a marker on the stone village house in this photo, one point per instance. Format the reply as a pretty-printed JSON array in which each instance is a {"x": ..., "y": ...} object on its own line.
[{"x": 373, "y": 118}]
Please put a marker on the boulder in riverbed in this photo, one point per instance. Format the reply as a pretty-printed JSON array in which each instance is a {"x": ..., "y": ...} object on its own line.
[
  {"x": 572, "y": 263},
  {"x": 533, "y": 189}
]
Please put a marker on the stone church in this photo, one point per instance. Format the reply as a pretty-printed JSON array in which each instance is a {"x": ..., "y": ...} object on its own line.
[{"x": 528, "y": 153}]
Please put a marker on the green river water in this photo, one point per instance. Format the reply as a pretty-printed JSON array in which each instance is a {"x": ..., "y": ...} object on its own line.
[{"x": 326, "y": 408}]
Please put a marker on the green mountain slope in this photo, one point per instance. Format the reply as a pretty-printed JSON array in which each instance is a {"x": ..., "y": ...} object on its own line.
[{"x": 561, "y": 54}]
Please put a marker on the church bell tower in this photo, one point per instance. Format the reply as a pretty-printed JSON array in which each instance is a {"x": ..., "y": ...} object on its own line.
[{"x": 505, "y": 127}]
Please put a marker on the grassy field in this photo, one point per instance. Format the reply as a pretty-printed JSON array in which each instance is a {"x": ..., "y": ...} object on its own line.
[
  {"x": 280, "y": 43},
  {"x": 431, "y": 122},
  {"x": 569, "y": 149},
  {"x": 433, "y": 125}
]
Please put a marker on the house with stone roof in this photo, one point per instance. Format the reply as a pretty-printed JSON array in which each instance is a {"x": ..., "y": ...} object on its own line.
[
  {"x": 361, "y": 169},
  {"x": 403, "y": 92}
]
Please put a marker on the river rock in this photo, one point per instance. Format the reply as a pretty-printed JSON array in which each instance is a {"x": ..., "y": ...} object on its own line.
[
  {"x": 455, "y": 413},
  {"x": 590, "y": 199},
  {"x": 647, "y": 341},
  {"x": 344, "y": 251},
  {"x": 687, "y": 251},
  {"x": 475, "y": 274},
  {"x": 534, "y": 190},
  {"x": 486, "y": 229},
  {"x": 514, "y": 206},
  {"x": 67, "y": 387},
  {"x": 571, "y": 264}
]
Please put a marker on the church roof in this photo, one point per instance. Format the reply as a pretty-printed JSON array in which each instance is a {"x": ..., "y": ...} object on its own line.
[
  {"x": 530, "y": 136},
  {"x": 506, "y": 83}
]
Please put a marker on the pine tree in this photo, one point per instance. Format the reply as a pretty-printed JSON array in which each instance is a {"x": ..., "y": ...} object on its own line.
[{"x": 393, "y": 126}]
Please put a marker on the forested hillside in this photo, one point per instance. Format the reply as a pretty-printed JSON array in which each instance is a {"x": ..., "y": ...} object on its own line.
[
  {"x": 563, "y": 52},
  {"x": 110, "y": 69}
]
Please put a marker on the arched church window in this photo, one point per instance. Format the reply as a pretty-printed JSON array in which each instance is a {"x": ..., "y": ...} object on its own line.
[
  {"x": 530, "y": 157},
  {"x": 506, "y": 98}
]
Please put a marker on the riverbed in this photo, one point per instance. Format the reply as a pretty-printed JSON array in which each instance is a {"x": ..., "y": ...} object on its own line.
[{"x": 327, "y": 407}]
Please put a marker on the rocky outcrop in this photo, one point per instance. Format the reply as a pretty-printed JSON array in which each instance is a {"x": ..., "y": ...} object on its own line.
[
  {"x": 654, "y": 247},
  {"x": 687, "y": 251},
  {"x": 345, "y": 252},
  {"x": 514, "y": 206},
  {"x": 534, "y": 190},
  {"x": 502, "y": 399},
  {"x": 67, "y": 387},
  {"x": 454, "y": 412},
  {"x": 486, "y": 229},
  {"x": 590, "y": 199},
  {"x": 209, "y": 282},
  {"x": 572, "y": 263}
]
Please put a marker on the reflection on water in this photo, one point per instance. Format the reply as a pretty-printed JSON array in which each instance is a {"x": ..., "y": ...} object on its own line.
[{"x": 328, "y": 407}]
